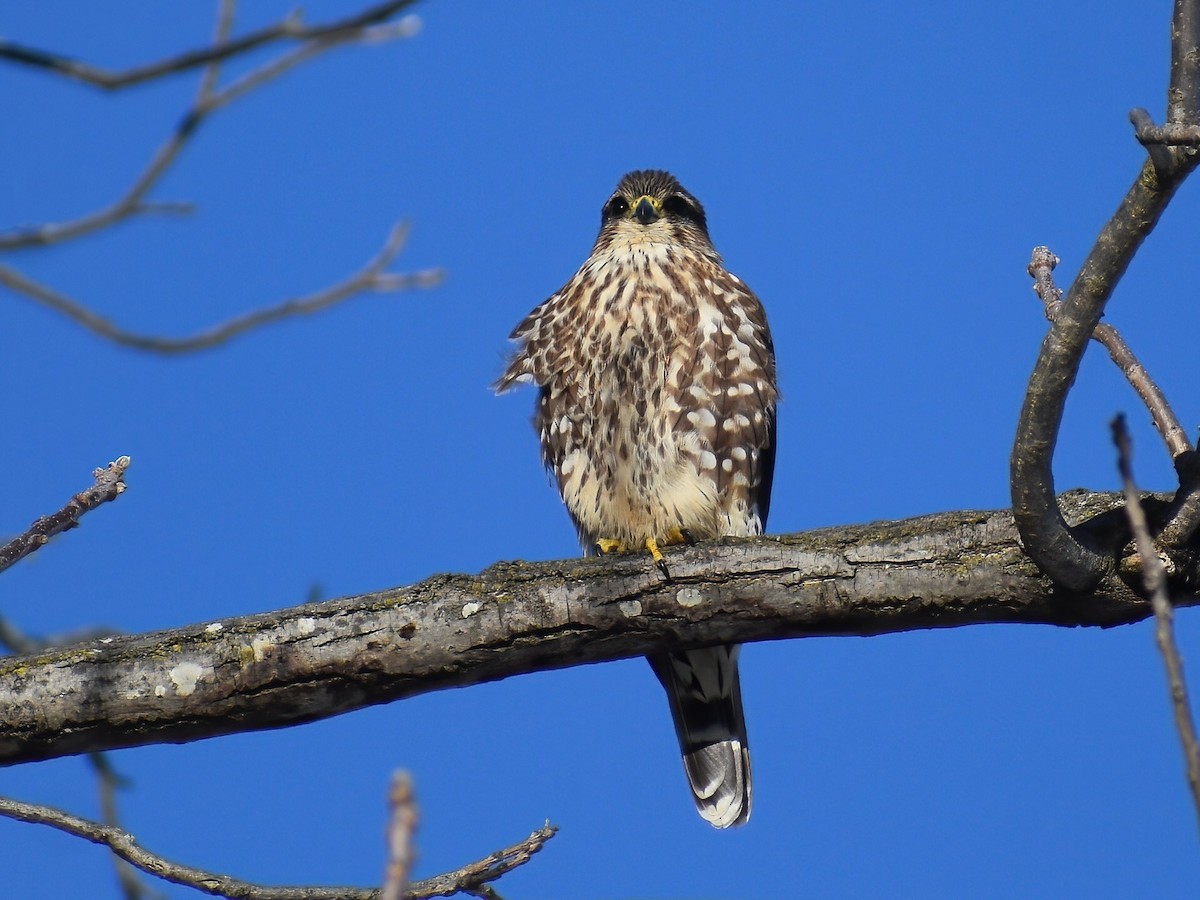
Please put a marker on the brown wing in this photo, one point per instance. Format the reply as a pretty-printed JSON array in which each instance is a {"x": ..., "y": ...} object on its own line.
[{"x": 732, "y": 399}]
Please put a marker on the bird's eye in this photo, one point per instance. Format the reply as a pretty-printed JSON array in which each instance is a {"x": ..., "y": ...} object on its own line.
[
  {"x": 617, "y": 206},
  {"x": 678, "y": 205}
]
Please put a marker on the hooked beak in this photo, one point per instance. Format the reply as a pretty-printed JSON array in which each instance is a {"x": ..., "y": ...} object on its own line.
[{"x": 645, "y": 212}]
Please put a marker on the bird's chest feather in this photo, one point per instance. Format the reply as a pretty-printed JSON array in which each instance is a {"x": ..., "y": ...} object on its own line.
[{"x": 611, "y": 424}]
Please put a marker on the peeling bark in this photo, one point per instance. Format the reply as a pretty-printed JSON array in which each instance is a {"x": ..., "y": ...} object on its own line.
[{"x": 317, "y": 660}]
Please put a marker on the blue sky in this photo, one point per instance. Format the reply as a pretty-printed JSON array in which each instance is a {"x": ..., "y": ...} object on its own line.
[{"x": 877, "y": 172}]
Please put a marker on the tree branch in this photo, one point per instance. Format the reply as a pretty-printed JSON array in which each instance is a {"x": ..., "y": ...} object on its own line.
[
  {"x": 109, "y": 781},
  {"x": 477, "y": 877},
  {"x": 370, "y": 277},
  {"x": 1155, "y": 576},
  {"x": 321, "y": 659},
  {"x": 208, "y": 100},
  {"x": 1069, "y": 558},
  {"x": 107, "y": 778},
  {"x": 401, "y": 825},
  {"x": 1041, "y": 268},
  {"x": 110, "y": 483},
  {"x": 290, "y": 28},
  {"x": 1183, "y": 95},
  {"x": 1171, "y": 135},
  {"x": 470, "y": 878},
  {"x": 1184, "y": 519},
  {"x": 1072, "y": 559}
]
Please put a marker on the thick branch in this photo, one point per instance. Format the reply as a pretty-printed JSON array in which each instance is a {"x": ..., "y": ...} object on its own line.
[
  {"x": 1072, "y": 559},
  {"x": 107, "y": 779},
  {"x": 1183, "y": 95},
  {"x": 1185, "y": 517},
  {"x": 290, "y": 28},
  {"x": 321, "y": 659}
]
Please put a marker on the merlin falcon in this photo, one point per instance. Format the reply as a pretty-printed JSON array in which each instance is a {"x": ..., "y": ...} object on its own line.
[{"x": 656, "y": 412}]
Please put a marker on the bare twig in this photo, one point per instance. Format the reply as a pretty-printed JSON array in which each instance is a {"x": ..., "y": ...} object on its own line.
[
  {"x": 401, "y": 825},
  {"x": 290, "y": 28},
  {"x": 369, "y": 278},
  {"x": 109, "y": 484},
  {"x": 404, "y": 28},
  {"x": 107, "y": 779},
  {"x": 476, "y": 877},
  {"x": 470, "y": 878},
  {"x": 1071, "y": 556},
  {"x": 208, "y": 100},
  {"x": 208, "y": 80},
  {"x": 1041, "y": 267},
  {"x": 1154, "y": 575},
  {"x": 1171, "y": 135},
  {"x": 1146, "y": 131}
]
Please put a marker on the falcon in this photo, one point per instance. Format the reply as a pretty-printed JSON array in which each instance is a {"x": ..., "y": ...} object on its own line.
[{"x": 656, "y": 412}]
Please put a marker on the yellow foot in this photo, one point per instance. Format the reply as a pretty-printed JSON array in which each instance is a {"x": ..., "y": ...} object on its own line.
[
  {"x": 652, "y": 546},
  {"x": 674, "y": 536},
  {"x": 677, "y": 536}
]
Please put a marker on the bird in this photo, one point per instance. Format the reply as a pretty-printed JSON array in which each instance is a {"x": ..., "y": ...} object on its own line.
[{"x": 656, "y": 413}]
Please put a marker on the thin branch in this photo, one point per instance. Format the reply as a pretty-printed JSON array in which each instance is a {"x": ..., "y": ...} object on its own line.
[
  {"x": 322, "y": 659},
  {"x": 1144, "y": 129},
  {"x": 401, "y": 825},
  {"x": 1170, "y": 135},
  {"x": 125, "y": 845},
  {"x": 370, "y": 277},
  {"x": 1154, "y": 574},
  {"x": 477, "y": 877},
  {"x": 1073, "y": 559},
  {"x": 226, "y": 9},
  {"x": 109, "y": 484},
  {"x": 1041, "y": 267},
  {"x": 132, "y": 885},
  {"x": 394, "y": 30},
  {"x": 208, "y": 100},
  {"x": 290, "y": 28}
]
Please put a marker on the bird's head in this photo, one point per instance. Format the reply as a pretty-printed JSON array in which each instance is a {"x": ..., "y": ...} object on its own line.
[{"x": 651, "y": 206}]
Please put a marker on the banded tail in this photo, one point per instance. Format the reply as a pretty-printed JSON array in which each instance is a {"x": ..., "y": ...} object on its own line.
[{"x": 706, "y": 703}]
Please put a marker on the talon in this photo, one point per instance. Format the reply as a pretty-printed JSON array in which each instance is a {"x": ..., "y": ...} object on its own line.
[
  {"x": 652, "y": 546},
  {"x": 610, "y": 545},
  {"x": 678, "y": 536}
]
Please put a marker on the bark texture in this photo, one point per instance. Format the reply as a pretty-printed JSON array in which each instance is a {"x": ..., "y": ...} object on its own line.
[{"x": 321, "y": 659}]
